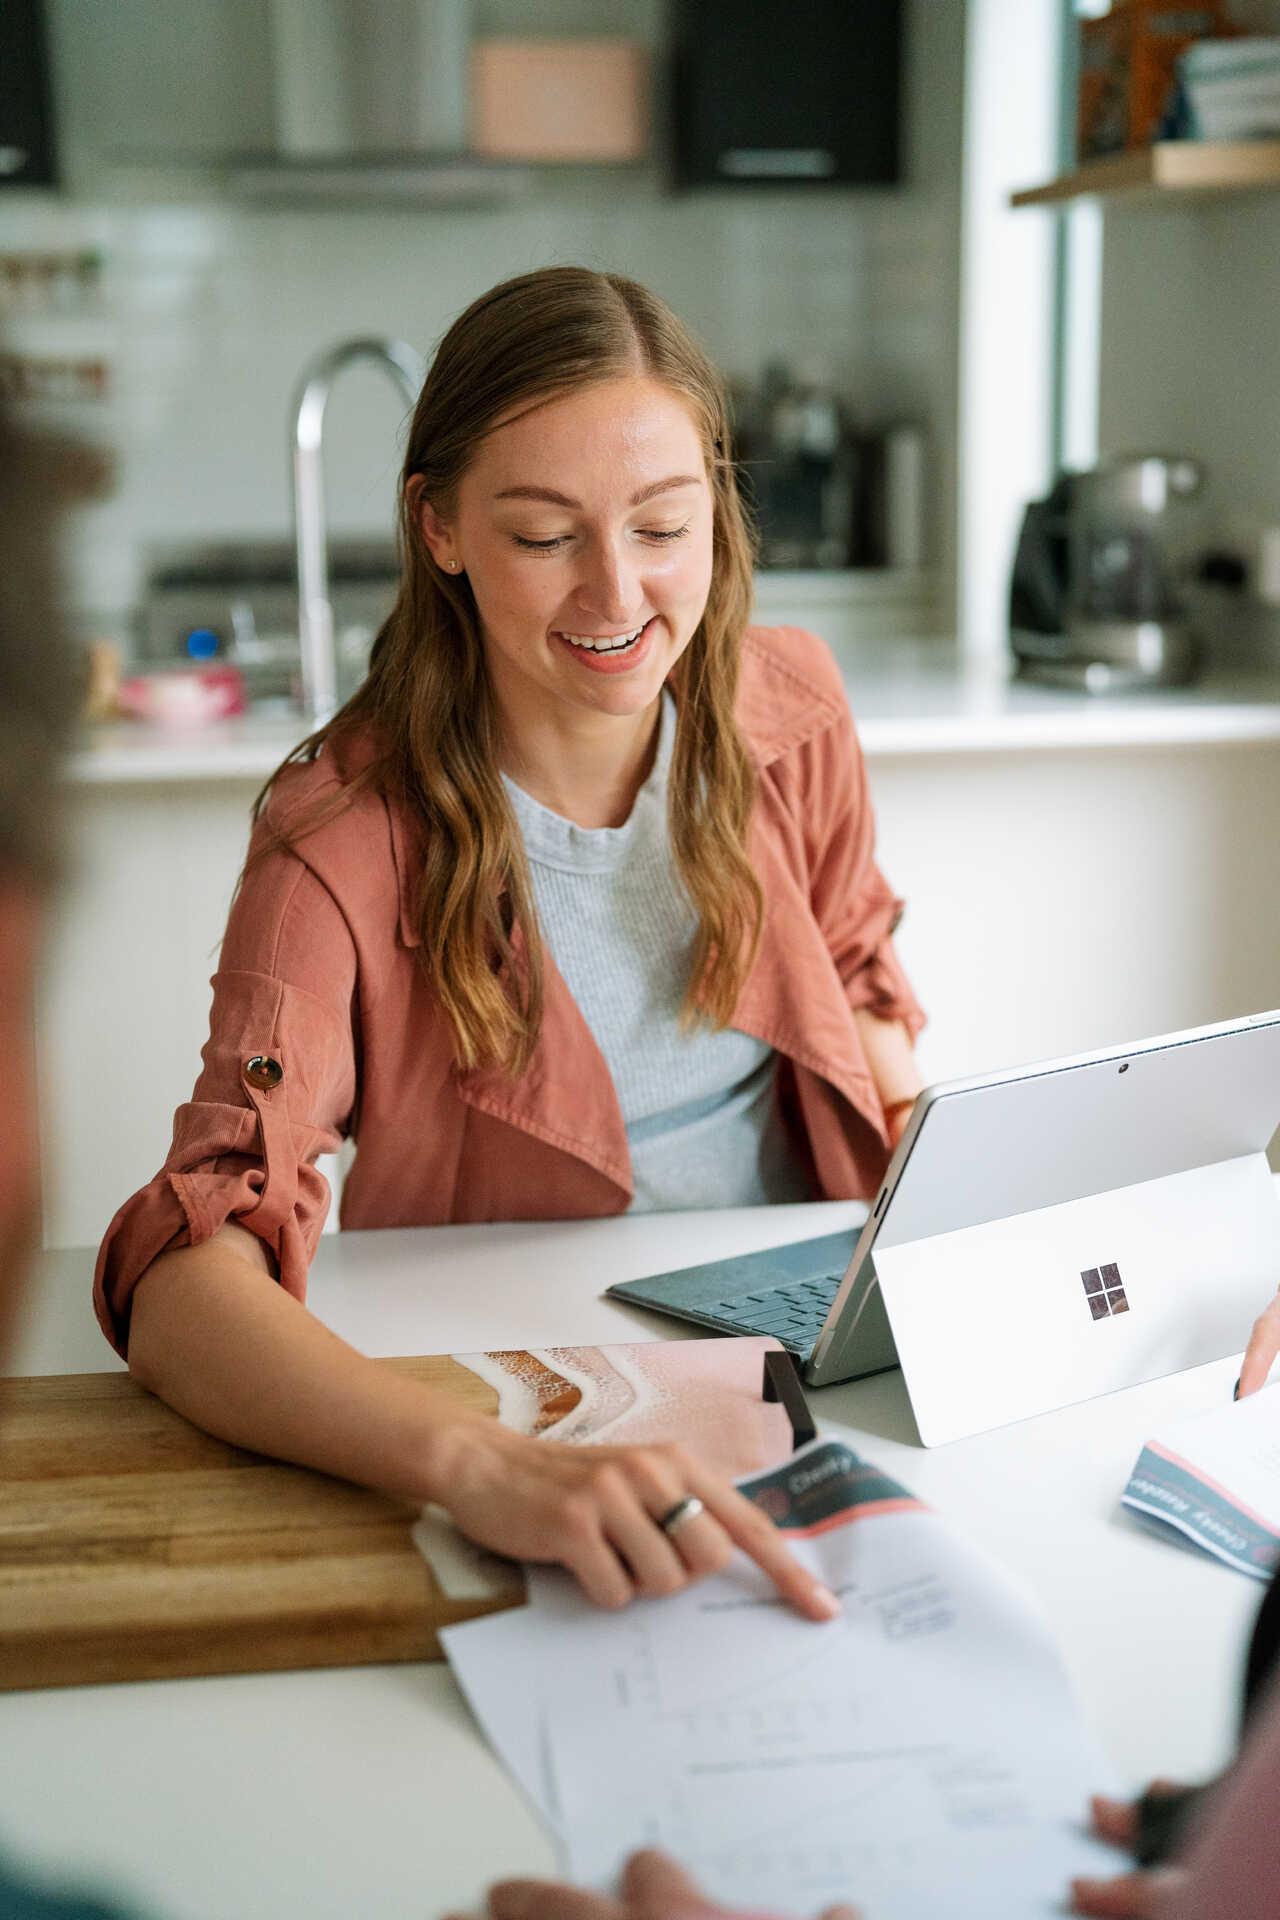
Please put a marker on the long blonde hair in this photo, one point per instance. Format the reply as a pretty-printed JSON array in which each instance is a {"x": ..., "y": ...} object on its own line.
[{"x": 427, "y": 701}]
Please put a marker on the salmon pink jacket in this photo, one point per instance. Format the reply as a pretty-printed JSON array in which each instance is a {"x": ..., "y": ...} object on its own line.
[{"x": 323, "y": 1023}]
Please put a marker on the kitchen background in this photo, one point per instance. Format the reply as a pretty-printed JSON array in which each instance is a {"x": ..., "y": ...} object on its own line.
[
  {"x": 204, "y": 310},
  {"x": 1078, "y": 873}
]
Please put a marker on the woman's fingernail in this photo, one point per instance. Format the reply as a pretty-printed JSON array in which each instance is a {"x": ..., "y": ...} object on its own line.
[
  {"x": 1235, "y": 1391},
  {"x": 826, "y": 1601}
]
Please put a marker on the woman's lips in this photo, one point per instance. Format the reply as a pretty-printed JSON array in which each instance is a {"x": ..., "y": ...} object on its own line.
[{"x": 619, "y": 661}]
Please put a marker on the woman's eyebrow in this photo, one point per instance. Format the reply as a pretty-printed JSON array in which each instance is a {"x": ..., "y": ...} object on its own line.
[
  {"x": 664, "y": 486},
  {"x": 554, "y": 499},
  {"x": 537, "y": 493}
]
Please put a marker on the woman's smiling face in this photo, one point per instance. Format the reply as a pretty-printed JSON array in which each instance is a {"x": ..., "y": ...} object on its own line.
[{"x": 585, "y": 529}]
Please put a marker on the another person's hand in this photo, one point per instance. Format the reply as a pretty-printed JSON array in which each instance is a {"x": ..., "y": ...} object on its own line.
[
  {"x": 599, "y": 1511},
  {"x": 1141, "y": 1893},
  {"x": 1264, "y": 1345},
  {"x": 653, "y": 1888}
]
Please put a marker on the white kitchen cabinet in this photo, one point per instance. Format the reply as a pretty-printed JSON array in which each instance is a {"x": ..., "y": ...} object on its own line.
[{"x": 1076, "y": 874}]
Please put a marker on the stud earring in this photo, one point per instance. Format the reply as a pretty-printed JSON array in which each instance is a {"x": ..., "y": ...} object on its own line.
[{"x": 452, "y": 565}]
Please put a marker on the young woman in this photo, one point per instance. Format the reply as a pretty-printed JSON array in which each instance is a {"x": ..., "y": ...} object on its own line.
[{"x": 572, "y": 908}]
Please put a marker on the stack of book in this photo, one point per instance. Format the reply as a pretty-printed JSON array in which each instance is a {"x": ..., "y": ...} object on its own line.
[{"x": 1232, "y": 88}]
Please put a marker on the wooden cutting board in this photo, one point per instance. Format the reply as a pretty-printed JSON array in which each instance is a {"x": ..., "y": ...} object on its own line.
[{"x": 135, "y": 1547}]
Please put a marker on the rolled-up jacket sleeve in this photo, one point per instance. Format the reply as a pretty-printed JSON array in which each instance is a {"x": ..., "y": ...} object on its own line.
[
  {"x": 277, "y": 1088},
  {"x": 856, "y": 907}
]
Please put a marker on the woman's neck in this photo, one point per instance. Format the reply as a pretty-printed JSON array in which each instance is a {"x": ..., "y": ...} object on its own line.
[{"x": 588, "y": 768}]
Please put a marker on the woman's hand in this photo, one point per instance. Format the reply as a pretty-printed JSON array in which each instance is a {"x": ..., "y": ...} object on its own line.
[
  {"x": 653, "y": 1888},
  {"x": 1264, "y": 1345},
  {"x": 1143, "y": 1893},
  {"x": 598, "y": 1512}
]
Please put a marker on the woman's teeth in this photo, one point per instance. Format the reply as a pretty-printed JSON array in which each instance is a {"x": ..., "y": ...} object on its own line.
[{"x": 610, "y": 643}]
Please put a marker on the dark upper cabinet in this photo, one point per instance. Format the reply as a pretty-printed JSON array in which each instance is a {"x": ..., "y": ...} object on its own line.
[
  {"x": 26, "y": 112},
  {"x": 807, "y": 93}
]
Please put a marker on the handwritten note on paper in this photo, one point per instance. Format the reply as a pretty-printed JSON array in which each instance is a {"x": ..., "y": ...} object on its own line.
[{"x": 921, "y": 1755}]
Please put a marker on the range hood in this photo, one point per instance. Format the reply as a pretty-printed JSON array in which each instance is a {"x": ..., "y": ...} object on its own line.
[
  {"x": 371, "y": 103},
  {"x": 420, "y": 179}
]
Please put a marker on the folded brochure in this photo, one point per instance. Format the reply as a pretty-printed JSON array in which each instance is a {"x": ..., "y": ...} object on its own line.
[
  {"x": 706, "y": 1394},
  {"x": 1215, "y": 1478}
]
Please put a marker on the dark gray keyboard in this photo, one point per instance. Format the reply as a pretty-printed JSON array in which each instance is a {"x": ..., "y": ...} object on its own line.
[{"x": 793, "y": 1313}]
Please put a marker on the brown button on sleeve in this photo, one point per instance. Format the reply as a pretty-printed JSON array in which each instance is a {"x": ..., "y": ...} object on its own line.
[
  {"x": 264, "y": 1081},
  {"x": 263, "y": 1073}
]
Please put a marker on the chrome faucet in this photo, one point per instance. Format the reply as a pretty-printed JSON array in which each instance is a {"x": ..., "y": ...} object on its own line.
[{"x": 315, "y": 612}]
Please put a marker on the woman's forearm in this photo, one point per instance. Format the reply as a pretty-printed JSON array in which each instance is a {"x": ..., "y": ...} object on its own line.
[
  {"x": 214, "y": 1336},
  {"x": 890, "y": 1056}
]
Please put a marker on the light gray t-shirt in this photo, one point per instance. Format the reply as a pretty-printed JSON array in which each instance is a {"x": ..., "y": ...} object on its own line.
[{"x": 701, "y": 1115}]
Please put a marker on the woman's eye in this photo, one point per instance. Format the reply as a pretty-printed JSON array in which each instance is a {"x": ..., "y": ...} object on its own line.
[
  {"x": 656, "y": 536},
  {"x": 540, "y": 546}
]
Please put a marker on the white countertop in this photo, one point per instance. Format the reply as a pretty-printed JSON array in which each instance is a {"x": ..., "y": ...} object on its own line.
[
  {"x": 922, "y": 698},
  {"x": 126, "y": 752},
  {"x": 910, "y": 697},
  {"x": 369, "y": 1791}
]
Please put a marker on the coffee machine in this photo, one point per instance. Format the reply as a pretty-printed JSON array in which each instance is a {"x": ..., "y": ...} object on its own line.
[{"x": 1098, "y": 596}]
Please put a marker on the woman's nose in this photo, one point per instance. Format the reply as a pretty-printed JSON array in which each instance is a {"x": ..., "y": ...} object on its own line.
[{"x": 611, "y": 587}]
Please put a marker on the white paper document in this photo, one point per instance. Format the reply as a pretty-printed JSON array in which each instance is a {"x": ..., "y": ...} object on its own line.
[
  {"x": 922, "y": 1755},
  {"x": 1215, "y": 1478}
]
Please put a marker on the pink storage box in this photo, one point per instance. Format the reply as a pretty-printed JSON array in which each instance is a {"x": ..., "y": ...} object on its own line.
[{"x": 585, "y": 100}]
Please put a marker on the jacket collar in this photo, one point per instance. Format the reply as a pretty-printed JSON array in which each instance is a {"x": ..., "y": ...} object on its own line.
[
  {"x": 566, "y": 1094},
  {"x": 781, "y": 702},
  {"x": 793, "y": 998}
]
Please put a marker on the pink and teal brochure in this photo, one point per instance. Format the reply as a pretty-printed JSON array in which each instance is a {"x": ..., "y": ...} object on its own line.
[{"x": 1215, "y": 1479}]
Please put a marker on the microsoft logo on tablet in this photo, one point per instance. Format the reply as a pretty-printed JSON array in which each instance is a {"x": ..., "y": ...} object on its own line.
[{"x": 1104, "y": 1291}]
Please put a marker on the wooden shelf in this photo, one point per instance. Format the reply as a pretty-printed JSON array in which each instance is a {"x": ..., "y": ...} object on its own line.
[{"x": 1170, "y": 171}]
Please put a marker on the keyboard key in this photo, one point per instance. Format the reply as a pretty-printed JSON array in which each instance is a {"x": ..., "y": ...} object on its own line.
[{"x": 793, "y": 1312}]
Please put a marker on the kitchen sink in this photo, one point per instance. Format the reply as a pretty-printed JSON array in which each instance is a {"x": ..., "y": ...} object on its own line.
[{"x": 246, "y": 595}]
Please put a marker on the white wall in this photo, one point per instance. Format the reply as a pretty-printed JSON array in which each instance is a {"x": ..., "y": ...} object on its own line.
[
  {"x": 1006, "y": 308},
  {"x": 1189, "y": 352},
  {"x": 1062, "y": 901}
]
